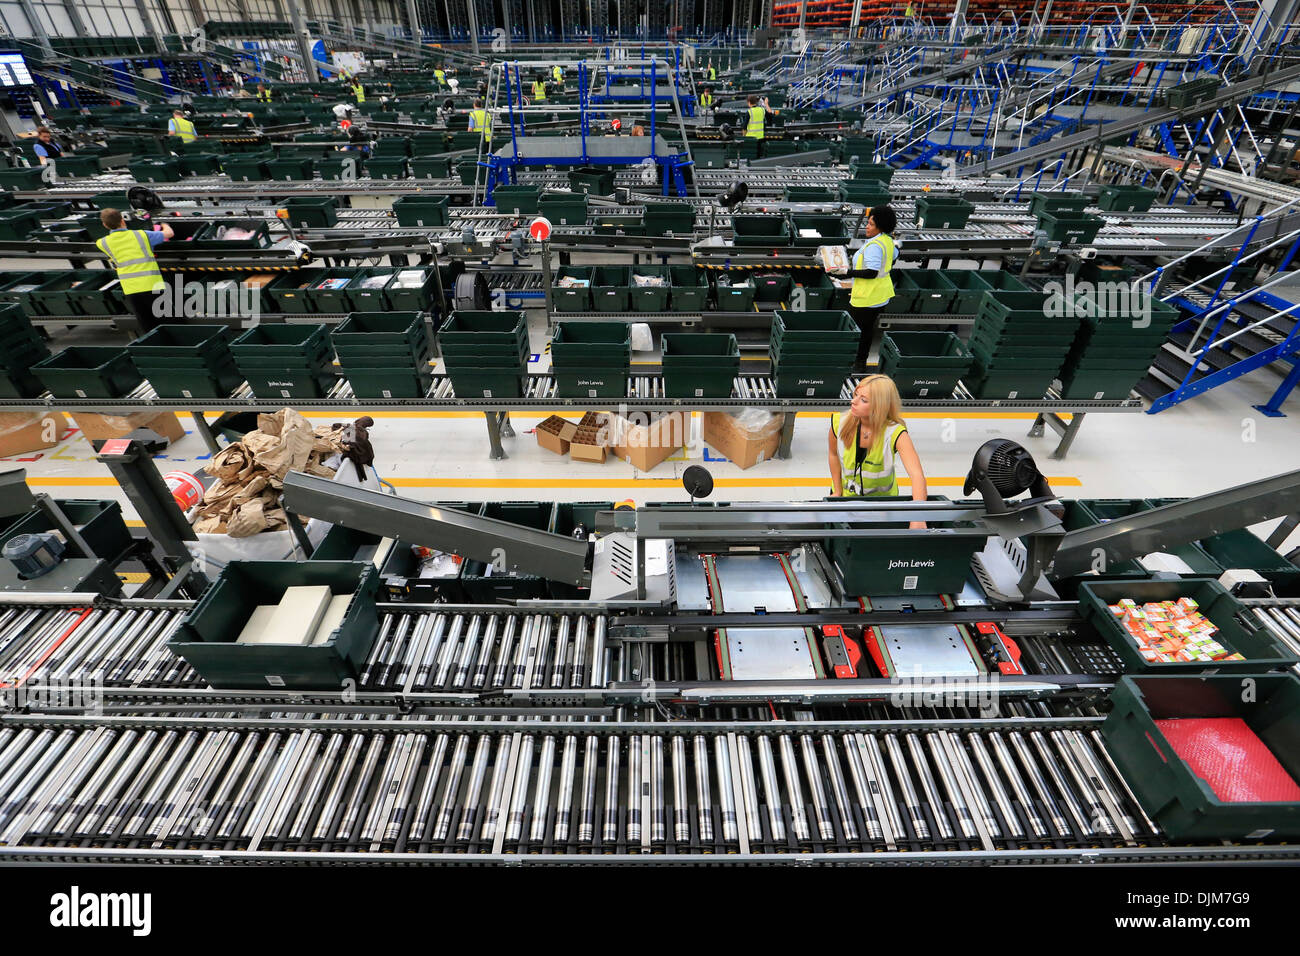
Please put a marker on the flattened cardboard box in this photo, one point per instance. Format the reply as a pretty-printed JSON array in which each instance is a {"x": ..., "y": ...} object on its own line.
[
  {"x": 644, "y": 444},
  {"x": 555, "y": 433},
  {"x": 102, "y": 427},
  {"x": 23, "y": 432},
  {"x": 743, "y": 447}
]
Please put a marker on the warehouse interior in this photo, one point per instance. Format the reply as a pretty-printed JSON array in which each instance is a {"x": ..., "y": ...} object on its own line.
[{"x": 836, "y": 432}]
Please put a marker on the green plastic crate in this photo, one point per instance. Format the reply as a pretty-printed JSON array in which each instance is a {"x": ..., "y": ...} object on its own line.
[
  {"x": 1070, "y": 228},
  {"x": 924, "y": 364},
  {"x": 381, "y": 334},
  {"x": 88, "y": 371},
  {"x": 469, "y": 381},
  {"x": 563, "y": 209},
  {"x": 389, "y": 382},
  {"x": 808, "y": 194},
  {"x": 700, "y": 364},
  {"x": 875, "y": 172},
  {"x": 1181, "y": 803},
  {"x": 592, "y": 381},
  {"x": 1261, "y": 650},
  {"x": 592, "y": 180},
  {"x": 866, "y": 192},
  {"x": 22, "y": 178},
  {"x": 734, "y": 296},
  {"x": 421, "y": 210},
  {"x": 611, "y": 288},
  {"x": 331, "y": 300},
  {"x": 431, "y": 167},
  {"x": 365, "y": 293},
  {"x": 312, "y": 212},
  {"x": 519, "y": 200},
  {"x": 577, "y": 344},
  {"x": 1042, "y": 202},
  {"x": 246, "y": 168},
  {"x": 886, "y": 565},
  {"x": 830, "y": 230},
  {"x": 572, "y": 299},
  {"x": 289, "y": 291},
  {"x": 669, "y": 219},
  {"x": 1126, "y": 198},
  {"x": 291, "y": 169},
  {"x": 936, "y": 212},
  {"x": 386, "y": 167},
  {"x": 926, "y": 291},
  {"x": 200, "y": 164},
  {"x": 689, "y": 288},
  {"x": 765, "y": 231},
  {"x": 206, "y": 638}
]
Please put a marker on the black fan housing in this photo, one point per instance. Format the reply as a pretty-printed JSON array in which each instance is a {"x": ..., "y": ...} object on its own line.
[{"x": 1003, "y": 469}]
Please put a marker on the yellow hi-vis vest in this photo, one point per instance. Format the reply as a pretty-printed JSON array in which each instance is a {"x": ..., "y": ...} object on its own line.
[
  {"x": 264, "y": 96},
  {"x": 441, "y": 77},
  {"x": 874, "y": 475},
  {"x": 757, "y": 118},
  {"x": 539, "y": 90},
  {"x": 359, "y": 92},
  {"x": 870, "y": 293},
  {"x": 713, "y": 74},
  {"x": 185, "y": 129},
  {"x": 706, "y": 100},
  {"x": 557, "y": 73},
  {"x": 478, "y": 119},
  {"x": 129, "y": 252}
]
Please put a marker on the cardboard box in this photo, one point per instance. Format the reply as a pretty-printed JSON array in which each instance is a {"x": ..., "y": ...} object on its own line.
[
  {"x": 648, "y": 440},
  {"x": 555, "y": 434},
  {"x": 102, "y": 427},
  {"x": 23, "y": 432},
  {"x": 746, "y": 438},
  {"x": 588, "y": 443}
]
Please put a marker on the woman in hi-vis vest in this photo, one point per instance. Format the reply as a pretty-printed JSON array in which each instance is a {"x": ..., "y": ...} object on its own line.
[
  {"x": 872, "y": 287},
  {"x": 865, "y": 445}
]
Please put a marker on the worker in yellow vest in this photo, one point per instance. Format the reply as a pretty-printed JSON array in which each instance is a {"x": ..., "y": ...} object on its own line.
[
  {"x": 263, "y": 93},
  {"x": 756, "y": 122},
  {"x": 480, "y": 120},
  {"x": 358, "y": 91},
  {"x": 558, "y": 76},
  {"x": 706, "y": 100},
  {"x": 539, "y": 90},
  {"x": 872, "y": 286},
  {"x": 713, "y": 73},
  {"x": 440, "y": 75},
  {"x": 178, "y": 125},
  {"x": 130, "y": 252}
]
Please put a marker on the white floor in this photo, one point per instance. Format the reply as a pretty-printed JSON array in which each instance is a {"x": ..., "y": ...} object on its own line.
[{"x": 1212, "y": 442}]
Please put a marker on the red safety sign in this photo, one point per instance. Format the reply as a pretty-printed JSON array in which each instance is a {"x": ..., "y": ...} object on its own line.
[
  {"x": 617, "y": 123},
  {"x": 540, "y": 229}
]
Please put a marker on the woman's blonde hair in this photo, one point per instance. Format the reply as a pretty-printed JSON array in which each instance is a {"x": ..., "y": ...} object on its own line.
[{"x": 886, "y": 409}]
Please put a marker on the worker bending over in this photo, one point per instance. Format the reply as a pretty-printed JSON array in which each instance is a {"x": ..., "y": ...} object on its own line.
[
  {"x": 130, "y": 252},
  {"x": 178, "y": 125},
  {"x": 872, "y": 286},
  {"x": 756, "y": 124},
  {"x": 480, "y": 120},
  {"x": 864, "y": 445}
]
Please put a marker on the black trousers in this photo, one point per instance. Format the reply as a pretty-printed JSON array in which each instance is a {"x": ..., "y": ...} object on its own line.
[
  {"x": 141, "y": 305},
  {"x": 867, "y": 320}
]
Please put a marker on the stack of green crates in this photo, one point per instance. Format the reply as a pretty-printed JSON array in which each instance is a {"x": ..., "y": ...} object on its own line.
[
  {"x": 21, "y": 347},
  {"x": 486, "y": 353},
  {"x": 924, "y": 291},
  {"x": 385, "y": 355},
  {"x": 187, "y": 361},
  {"x": 700, "y": 364},
  {"x": 591, "y": 359},
  {"x": 88, "y": 371},
  {"x": 812, "y": 352},
  {"x": 942, "y": 211},
  {"x": 1019, "y": 342},
  {"x": 924, "y": 364},
  {"x": 971, "y": 284},
  {"x": 1116, "y": 343},
  {"x": 285, "y": 361}
]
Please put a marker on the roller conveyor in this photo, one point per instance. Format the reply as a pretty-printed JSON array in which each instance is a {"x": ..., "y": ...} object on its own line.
[{"x": 163, "y": 786}]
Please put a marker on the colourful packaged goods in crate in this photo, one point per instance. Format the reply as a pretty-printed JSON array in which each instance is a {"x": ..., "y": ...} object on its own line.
[{"x": 1168, "y": 632}]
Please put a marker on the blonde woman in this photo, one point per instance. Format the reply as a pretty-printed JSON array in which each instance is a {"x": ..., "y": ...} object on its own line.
[{"x": 864, "y": 445}]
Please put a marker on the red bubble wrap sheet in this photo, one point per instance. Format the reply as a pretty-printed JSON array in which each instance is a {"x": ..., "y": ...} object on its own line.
[{"x": 1226, "y": 754}]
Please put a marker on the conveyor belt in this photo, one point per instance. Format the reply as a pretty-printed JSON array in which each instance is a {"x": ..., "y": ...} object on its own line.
[{"x": 980, "y": 788}]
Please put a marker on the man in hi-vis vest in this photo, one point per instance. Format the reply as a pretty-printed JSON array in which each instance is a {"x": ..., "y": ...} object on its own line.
[
  {"x": 756, "y": 122},
  {"x": 178, "y": 125},
  {"x": 130, "y": 252}
]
